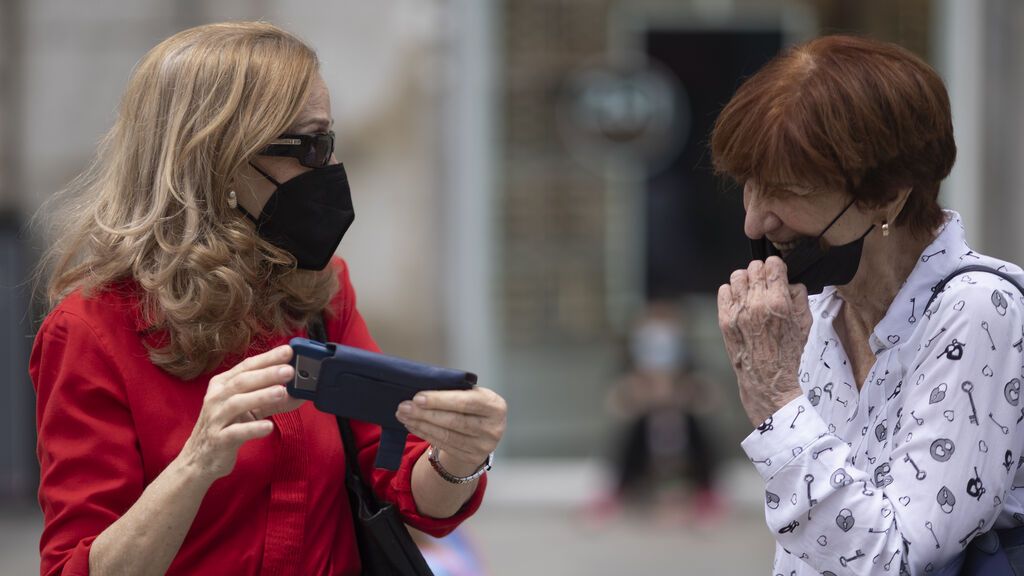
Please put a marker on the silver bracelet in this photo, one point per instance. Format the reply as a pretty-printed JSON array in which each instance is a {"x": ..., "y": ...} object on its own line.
[{"x": 434, "y": 456}]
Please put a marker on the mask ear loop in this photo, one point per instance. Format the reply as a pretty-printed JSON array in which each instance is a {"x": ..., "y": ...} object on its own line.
[
  {"x": 836, "y": 219},
  {"x": 254, "y": 219},
  {"x": 265, "y": 175},
  {"x": 830, "y": 224}
]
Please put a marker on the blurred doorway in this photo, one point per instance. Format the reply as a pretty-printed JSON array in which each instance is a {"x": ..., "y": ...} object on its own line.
[
  {"x": 694, "y": 229},
  {"x": 689, "y": 221}
]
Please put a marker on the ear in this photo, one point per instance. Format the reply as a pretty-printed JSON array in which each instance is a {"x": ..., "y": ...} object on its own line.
[{"x": 894, "y": 208}]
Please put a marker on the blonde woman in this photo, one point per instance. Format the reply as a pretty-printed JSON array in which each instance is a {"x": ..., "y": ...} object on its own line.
[{"x": 198, "y": 243}]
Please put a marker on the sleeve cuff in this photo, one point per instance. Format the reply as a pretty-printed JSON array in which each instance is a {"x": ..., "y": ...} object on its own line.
[
  {"x": 784, "y": 436},
  {"x": 436, "y": 527}
]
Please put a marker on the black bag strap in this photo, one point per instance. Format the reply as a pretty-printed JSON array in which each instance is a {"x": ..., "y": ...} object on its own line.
[
  {"x": 353, "y": 479},
  {"x": 385, "y": 546},
  {"x": 316, "y": 329},
  {"x": 938, "y": 288}
]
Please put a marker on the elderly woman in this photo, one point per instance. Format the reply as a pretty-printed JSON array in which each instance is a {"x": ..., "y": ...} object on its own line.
[
  {"x": 888, "y": 424},
  {"x": 197, "y": 245}
]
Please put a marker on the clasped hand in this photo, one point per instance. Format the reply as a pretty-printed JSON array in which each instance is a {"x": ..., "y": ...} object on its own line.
[{"x": 765, "y": 322}]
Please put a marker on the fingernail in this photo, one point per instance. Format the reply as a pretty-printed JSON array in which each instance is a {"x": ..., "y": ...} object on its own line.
[
  {"x": 405, "y": 408},
  {"x": 420, "y": 399}
]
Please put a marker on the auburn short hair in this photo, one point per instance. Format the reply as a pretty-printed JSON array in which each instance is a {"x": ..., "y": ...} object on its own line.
[{"x": 857, "y": 114}]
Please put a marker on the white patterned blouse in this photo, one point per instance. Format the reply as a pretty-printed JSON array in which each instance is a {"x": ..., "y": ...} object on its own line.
[{"x": 898, "y": 474}]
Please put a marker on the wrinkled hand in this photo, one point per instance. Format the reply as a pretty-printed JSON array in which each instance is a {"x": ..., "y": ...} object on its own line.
[
  {"x": 234, "y": 408},
  {"x": 465, "y": 425},
  {"x": 765, "y": 322}
]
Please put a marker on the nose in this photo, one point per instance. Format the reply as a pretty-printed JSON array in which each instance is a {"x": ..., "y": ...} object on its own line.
[{"x": 759, "y": 219}]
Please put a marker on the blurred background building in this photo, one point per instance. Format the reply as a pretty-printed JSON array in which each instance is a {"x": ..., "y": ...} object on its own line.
[{"x": 527, "y": 175}]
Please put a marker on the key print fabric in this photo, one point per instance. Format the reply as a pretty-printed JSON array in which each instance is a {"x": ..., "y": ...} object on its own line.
[{"x": 898, "y": 476}]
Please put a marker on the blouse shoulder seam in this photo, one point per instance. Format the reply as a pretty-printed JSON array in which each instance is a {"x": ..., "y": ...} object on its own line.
[{"x": 102, "y": 342}]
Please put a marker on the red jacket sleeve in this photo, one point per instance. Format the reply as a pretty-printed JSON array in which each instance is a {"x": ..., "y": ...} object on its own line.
[
  {"x": 395, "y": 487},
  {"x": 90, "y": 468}
]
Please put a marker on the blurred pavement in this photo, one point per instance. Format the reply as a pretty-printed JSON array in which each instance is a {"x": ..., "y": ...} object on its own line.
[{"x": 518, "y": 535}]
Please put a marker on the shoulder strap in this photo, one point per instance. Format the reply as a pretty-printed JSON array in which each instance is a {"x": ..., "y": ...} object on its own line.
[
  {"x": 316, "y": 329},
  {"x": 352, "y": 477},
  {"x": 938, "y": 288}
]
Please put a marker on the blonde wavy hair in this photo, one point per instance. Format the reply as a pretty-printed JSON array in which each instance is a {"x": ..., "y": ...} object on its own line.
[{"x": 153, "y": 206}]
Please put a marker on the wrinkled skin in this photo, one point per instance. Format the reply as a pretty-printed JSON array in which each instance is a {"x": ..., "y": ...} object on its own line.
[{"x": 765, "y": 322}]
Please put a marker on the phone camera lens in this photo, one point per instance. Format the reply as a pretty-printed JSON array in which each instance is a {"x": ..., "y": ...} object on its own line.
[{"x": 303, "y": 374}]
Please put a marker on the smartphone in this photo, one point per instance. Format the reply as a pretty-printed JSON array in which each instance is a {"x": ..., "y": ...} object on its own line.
[
  {"x": 361, "y": 385},
  {"x": 307, "y": 359},
  {"x": 356, "y": 383}
]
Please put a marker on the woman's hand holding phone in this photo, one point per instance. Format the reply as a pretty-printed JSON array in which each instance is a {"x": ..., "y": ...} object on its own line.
[
  {"x": 465, "y": 425},
  {"x": 235, "y": 409}
]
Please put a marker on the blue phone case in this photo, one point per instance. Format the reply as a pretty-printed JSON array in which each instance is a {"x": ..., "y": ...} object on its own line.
[{"x": 354, "y": 383}]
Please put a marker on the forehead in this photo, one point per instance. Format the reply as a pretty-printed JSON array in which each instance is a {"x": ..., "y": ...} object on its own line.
[
  {"x": 798, "y": 188},
  {"x": 316, "y": 113}
]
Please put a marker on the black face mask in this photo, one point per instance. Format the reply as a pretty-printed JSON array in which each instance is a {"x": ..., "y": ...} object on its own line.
[
  {"x": 307, "y": 215},
  {"x": 813, "y": 266}
]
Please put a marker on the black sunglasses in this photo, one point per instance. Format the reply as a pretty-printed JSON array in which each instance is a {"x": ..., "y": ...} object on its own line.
[{"x": 312, "y": 150}]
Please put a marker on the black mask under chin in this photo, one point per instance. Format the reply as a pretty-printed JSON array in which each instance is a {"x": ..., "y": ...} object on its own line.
[
  {"x": 815, "y": 266},
  {"x": 308, "y": 215}
]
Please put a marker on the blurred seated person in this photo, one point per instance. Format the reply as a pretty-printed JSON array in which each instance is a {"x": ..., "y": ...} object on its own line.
[{"x": 660, "y": 399}]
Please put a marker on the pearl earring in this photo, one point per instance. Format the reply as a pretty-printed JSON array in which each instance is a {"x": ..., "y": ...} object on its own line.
[
  {"x": 885, "y": 229},
  {"x": 232, "y": 199}
]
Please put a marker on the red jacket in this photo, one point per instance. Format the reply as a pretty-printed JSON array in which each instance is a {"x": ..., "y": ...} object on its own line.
[{"x": 109, "y": 422}]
